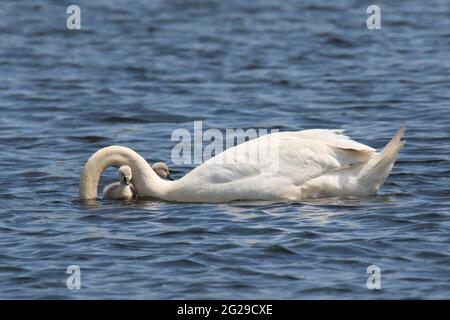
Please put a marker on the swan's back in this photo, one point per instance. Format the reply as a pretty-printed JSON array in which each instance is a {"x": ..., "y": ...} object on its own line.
[
  {"x": 299, "y": 157},
  {"x": 327, "y": 156}
]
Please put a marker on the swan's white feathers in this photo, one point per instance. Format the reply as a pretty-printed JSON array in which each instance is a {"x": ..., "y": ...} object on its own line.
[
  {"x": 309, "y": 164},
  {"x": 118, "y": 191},
  {"x": 301, "y": 156},
  {"x": 334, "y": 138}
]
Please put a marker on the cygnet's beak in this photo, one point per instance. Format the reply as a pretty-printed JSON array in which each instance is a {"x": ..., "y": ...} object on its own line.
[
  {"x": 169, "y": 177},
  {"x": 126, "y": 180}
]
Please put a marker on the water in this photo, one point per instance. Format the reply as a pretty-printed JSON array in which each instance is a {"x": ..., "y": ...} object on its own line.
[{"x": 138, "y": 70}]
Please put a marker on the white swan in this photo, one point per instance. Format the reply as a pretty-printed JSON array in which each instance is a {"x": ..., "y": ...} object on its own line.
[
  {"x": 122, "y": 189},
  {"x": 311, "y": 164},
  {"x": 162, "y": 170}
]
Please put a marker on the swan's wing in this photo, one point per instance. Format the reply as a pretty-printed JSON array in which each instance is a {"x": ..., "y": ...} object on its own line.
[
  {"x": 334, "y": 138},
  {"x": 299, "y": 157}
]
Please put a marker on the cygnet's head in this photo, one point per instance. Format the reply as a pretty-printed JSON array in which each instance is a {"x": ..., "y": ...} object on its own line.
[
  {"x": 125, "y": 175},
  {"x": 162, "y": 170}
]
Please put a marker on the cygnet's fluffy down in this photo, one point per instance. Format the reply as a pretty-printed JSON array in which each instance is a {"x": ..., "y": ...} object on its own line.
[
  {"x": 122, "y": 189},
  {"x": 162, "y": 170}
]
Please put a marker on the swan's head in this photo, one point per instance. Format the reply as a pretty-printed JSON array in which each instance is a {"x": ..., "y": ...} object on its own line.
[
  {"x": 162, "y": 170},
  {"x": 125, "y": 175}
]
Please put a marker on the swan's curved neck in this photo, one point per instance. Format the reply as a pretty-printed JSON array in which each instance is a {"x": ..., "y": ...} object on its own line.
[{"x": 145, "y": 180}]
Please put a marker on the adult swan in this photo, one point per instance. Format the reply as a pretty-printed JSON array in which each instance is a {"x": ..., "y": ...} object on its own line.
[{"x": 310, "y": 164}]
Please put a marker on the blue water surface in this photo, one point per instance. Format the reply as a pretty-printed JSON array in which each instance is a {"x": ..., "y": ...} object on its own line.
[{"x": 137, "y": 70}]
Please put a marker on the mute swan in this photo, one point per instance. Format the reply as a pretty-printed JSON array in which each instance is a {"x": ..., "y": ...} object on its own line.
[
  {"x": 122, "y": 189},
  {"x": 162, "y": 170},
  {"x": 311, "y": 164}
]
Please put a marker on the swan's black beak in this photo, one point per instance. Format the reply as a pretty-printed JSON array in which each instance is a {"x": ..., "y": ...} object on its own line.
[
  {"x": 126, "y": 181},
  {"x": 169, "y": 177}
]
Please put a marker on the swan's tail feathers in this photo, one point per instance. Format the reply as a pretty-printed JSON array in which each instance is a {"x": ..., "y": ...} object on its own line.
[{"x": 376, "y": 171}]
